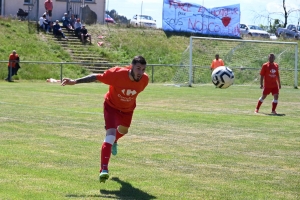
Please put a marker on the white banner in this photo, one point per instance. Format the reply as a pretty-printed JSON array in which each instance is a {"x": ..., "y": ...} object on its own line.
[{"x": 193, "y": 18}]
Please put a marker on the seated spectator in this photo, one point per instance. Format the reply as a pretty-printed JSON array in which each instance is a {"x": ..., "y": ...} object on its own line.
[
  {"x": 41, "y": 22},
  {"x": 77, "y": 27},
  {"x": 46, "y": 23},
  {"x": 84, "y": 34},
  {"x": 57, "y": 32},
  {"x": 72, "y": 21},
  {"x": 66, "y": 22}
]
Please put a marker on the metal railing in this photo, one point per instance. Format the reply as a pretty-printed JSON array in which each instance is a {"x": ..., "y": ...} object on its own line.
[{"x": 108, "y": 65}]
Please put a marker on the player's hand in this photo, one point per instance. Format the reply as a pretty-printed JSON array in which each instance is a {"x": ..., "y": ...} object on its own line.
[
  {"x": 261, "y": 86},
  {"x": 68, "y": 81}
]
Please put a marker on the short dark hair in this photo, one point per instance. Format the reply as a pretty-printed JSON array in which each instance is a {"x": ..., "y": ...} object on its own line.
[{"x": 139, "y": 59}]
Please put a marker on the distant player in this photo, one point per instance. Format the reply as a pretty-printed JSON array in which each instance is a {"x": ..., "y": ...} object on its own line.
[
  {"x": 125, "y": 83},
  {"x": 217, "y": 62},
  {"x": 269, "y": 82}
]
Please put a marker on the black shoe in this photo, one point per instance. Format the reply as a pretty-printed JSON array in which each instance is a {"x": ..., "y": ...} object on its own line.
[
  {"x": 6, "y": 79},
  {"x": 10, "y": 81}
]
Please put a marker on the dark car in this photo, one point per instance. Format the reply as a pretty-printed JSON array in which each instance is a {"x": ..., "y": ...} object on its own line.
[{"x": 108, "y": 19}]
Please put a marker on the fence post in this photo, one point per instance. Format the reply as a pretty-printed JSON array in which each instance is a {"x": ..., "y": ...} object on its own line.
[
  {"x": 152, "y": 75},
  {"x": 61, "y": 70}
]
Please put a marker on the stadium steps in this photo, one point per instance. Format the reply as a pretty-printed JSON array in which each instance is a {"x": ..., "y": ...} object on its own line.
[{"x": 79, "y": 52}]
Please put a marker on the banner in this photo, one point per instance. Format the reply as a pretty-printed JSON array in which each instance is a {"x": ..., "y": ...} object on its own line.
[{"x": 193, "y": 18}]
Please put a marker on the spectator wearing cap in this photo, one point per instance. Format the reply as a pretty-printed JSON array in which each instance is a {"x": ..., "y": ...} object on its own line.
[
  {"x": 57, "y": 32},
  {"x": 84, "y": 34},
  {"x": 77, "y": 27},
  {"x": 67, "y": 22},
  {"x": 13, "y": 59}
]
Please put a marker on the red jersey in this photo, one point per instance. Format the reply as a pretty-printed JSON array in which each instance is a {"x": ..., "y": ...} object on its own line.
[
  {"x": 217, "y": 63},
  {"x": 12, "y": 59},
  {"x": 270, "y": 72},
  {"x": 122, "y": 91}
]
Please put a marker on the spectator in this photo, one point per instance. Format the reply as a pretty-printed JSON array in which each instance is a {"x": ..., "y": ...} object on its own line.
[
  {"x": 41, "y": 22},
  {"x": 66, "y": 22},
  {"x": 84, "y": 34},
  {"x": 13, "y": 59},
  {"x": 77, "y": 27},
  {"x": 49, "y": 7},
  {"x": 46, "y": 25},
  {"x": 72, "y": 21},
  {"x": 57, "y": 32},
  {"x": 217, "y": 62}
]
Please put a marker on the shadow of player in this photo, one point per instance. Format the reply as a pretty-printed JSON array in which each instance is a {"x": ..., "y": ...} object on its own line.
[{"x": 127, "y": 191}]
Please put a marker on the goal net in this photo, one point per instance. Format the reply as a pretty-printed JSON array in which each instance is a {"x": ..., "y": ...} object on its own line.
[{"x": 244, "y": 57}]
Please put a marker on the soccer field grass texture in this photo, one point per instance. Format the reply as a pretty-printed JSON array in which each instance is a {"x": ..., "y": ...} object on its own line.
[{"x": 184, "y": 143}]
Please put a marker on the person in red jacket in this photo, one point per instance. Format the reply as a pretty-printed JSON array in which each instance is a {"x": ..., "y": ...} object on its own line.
[
  {"x": 13, "y": 60},
  {"x": 125, "y": 83},
  {"x": 269, "y": 82},
  {"x": 49, "y": 7}
]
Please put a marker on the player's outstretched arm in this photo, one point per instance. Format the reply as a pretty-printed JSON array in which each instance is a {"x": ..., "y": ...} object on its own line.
[
  {"x": 86, "y": 79},
  {"x": 68, "y": 81}
]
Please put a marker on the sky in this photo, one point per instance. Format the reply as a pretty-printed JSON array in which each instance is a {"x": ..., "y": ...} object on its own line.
[{"x": 249, "y": 9}]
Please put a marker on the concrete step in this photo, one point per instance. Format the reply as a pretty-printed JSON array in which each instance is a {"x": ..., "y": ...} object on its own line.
[{"x": 89, "y": 62}]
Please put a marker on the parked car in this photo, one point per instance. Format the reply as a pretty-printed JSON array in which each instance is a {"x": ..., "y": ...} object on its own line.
[
  {"x": 273, "y": 36},
  {"x": 253, "y": 31},
  {"x": 143, "y": 21},
  {"x": 291, "y": 31},
  {"x": 108, "y": 19}
]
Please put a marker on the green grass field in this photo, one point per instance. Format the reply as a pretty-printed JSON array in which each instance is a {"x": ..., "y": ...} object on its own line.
[{"x": 184, "y": 143}]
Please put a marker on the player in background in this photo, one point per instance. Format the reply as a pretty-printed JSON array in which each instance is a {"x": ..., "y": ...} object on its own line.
[
  {"x": 217, "y": 62},
  {"x": 269, "y": 82},
  {"x": 125, "y": 83}
]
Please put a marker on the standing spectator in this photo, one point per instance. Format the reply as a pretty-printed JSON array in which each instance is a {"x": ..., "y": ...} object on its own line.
[
  {"x": 84, "y": 34},
  {"x": 57, "y": 30},
  {"x": 269, "y": 82},
  {"x": 13, "y": 59},
  {"x": 125, "y": 83},
  {"x": 49, "y": 7},
  {"x": 77, "y": 27},
  {"x": 217, "y": 62}
]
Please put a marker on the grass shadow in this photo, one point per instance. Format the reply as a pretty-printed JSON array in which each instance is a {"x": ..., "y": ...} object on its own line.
[
  {"x": 127, "y": 191},
  {"x": 275, "y": 115}
]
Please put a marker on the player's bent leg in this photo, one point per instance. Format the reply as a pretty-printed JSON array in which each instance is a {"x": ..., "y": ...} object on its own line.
[
  {"x": 114, "y": 149},
  {"x": 121, "y": 131}
]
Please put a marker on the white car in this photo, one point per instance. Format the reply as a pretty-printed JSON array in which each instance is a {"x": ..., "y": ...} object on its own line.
[
  {"x": 143, "y": 21},
  {"x": 253, "y": 30}
]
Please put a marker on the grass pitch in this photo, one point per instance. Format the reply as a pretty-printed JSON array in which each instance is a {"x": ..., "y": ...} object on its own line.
[{"x": 184, "y": 143}]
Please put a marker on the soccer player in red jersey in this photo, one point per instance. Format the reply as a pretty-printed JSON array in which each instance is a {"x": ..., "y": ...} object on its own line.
[
  {"x": 269, "y": 82},
  {"x": 125, "y": 83}
]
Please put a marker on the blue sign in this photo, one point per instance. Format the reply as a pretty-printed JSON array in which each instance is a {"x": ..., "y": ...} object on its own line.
[{"x": 193, "y": 18}]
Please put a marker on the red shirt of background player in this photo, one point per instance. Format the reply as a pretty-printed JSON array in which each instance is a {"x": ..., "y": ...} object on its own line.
[{"x": 270, "y": 72}]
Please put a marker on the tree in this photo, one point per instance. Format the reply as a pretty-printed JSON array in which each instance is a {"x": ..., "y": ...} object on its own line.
[
  {"x": 118, "y": 18},
  {"x": 285, "y": 13}
]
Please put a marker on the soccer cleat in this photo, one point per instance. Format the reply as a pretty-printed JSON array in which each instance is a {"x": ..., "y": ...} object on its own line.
[
  {"x": 274, "y": 112},
  {"x": 114, "y": 149},
  {"x": 103, "y": 176},
  {"x": 256, "y": 111}
]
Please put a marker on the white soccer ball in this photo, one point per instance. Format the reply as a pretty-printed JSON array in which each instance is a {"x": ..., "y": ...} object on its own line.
[{"x": 222, "y": 77}]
